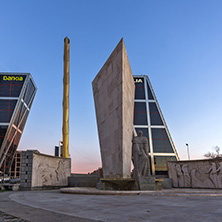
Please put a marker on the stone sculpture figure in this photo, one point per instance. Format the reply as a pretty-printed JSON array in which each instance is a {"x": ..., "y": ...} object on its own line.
[{"x": 141, "y": 156}]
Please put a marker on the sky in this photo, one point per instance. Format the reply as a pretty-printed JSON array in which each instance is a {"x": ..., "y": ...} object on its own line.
[{"x": 176, "y": 43}]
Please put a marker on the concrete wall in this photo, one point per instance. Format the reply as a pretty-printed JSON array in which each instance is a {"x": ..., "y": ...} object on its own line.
[
  {"x": 26, "y": 169},
  {"x": 113, "y": 90},
  {"x": 83, "y": 180},
  {"x": 39, "y": 170},
  {"x": 196, "y": 173}
]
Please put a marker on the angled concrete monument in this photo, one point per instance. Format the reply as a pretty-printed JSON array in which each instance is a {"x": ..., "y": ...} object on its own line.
[{"x": 113, "y": 90}]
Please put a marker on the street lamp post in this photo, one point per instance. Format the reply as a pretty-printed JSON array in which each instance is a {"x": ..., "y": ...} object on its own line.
[{"x": 188, "y": 152}]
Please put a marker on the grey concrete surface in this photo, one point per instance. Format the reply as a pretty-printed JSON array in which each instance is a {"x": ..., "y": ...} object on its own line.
[
  {"x": 167, "y": 205},
  {"x": 9, "y": 218},
  {"x": 83, "y": 180},
  {"x": 33, "y": 214}
]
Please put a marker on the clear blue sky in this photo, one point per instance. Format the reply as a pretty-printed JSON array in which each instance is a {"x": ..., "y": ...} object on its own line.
[{"x": 178, "y": 44}]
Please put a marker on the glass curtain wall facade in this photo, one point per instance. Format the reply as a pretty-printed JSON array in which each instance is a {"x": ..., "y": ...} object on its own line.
[
  {"x": 17, "y": 91},
  {"x": 148, "y": 118}
]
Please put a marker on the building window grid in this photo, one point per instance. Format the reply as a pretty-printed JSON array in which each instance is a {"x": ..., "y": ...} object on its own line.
[
  {"x": 8, "y": 149},
  {"x": 32, "y": 90},
  {"x": 7, "y": 105},
  {"x": 160, "y": 112},
  {"x": 149, "y": 126},
  {"x": 17, "y": 92},
  {"x": 135, "y": 116},
  {"x": 159, "y": 168}
]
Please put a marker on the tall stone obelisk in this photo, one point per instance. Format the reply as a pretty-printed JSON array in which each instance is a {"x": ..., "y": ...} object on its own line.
[
  {"x": 65, "y": 127},
  {"x": 113, "y": 90}
]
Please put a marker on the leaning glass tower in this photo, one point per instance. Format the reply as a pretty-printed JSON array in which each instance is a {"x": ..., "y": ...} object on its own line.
[
  {"x": 17, "y": 91},
  {"x": 149, "y": 119}
]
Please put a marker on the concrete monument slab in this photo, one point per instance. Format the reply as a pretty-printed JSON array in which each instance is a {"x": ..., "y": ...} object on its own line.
[{"x": 113, "y": 90}]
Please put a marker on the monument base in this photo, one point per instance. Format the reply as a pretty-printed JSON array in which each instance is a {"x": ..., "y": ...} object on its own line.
[
  {"x": 83, "y": 180},
  {"x": 116, "y": 184},
  {"x": 164, "y": 183},
  {"x": 142, "y": 183},
  {"x": 146, "y": 183}
]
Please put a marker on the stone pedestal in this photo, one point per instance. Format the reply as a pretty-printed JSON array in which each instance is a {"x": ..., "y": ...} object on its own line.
[
  {"x": 83, "y": 180},
  {"x": 146, "y": 183},
  {"x": 164, "y": 183},
  {"x": 113, "y": 90},
  {"x": 116, "y": 184}
]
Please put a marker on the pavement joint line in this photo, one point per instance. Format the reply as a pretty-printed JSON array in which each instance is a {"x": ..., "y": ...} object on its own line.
[{"x": 176, "y": 192}]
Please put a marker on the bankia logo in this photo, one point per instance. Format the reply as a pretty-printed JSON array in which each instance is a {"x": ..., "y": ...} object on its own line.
[
  {"x": 12, "y": 78},
  {"x": 138, "y": 80}
]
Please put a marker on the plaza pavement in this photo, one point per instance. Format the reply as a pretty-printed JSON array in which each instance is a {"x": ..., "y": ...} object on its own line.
[{"x": 172, "y": 205}]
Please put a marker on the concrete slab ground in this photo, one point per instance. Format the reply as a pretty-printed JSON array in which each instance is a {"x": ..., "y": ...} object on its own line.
[
  {"x": 25, "y": 213},
  {"x": 168, "y": 206}
]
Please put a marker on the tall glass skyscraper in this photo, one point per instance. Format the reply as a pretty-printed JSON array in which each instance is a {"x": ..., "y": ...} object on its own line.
[
  {"x": 17, "y": 91},
  {"x": 149, "y": 119}
]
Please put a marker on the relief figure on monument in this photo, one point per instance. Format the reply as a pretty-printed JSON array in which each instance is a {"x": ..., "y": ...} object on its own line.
[
  {"x": 219, "y": 177},
  {"x": 213, "y": 174},
  {"x": 187, "y": 178},
  {"x": 179, "y": 176},
  {"x": 59, "y": 171},
  {"x": 198, "y": 182},
  {"x": 141, "y": 156},
  {"x": 173, "y": 174}
]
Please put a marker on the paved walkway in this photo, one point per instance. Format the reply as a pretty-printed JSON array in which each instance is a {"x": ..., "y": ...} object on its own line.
[
  {"x": 12, "y": 208},
  {"x": 168, "y": 206}
]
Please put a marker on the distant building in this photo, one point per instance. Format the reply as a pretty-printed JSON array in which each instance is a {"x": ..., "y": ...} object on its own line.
[
  {"x": 17, "y": 91},
  {"x": 149, "y": 119},
  {"x": 58, "y": 149}
]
